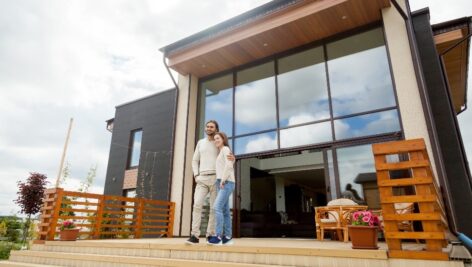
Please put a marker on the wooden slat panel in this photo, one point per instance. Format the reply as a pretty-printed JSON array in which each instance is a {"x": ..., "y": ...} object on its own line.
[
  {"x": 405, "y": 181},
  {"x": 77, "y": 210},
  {"x": 402, "y": 165},
  {"x": 398, "y": 147},
  {"x": 67, "y": 217},
  {"x": 412, "y": 217},
  {"x": 154, "y": 233},
  {"x": 117, "y": 226},
  {"x": 164, "y": 221},
  {"x": 118, "y": 212},
  {"x": 117, "y": 233},
  {"x": 408, "y": 199},
  {"x": 426, "y": 255},
  {"x": 80, "y": 203},
  {"x": 154, "y": 227},
  {"x": 415, "y": 235}
]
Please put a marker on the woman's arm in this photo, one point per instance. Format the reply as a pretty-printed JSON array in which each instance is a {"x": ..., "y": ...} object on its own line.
[{"x": 228, "y": 169}]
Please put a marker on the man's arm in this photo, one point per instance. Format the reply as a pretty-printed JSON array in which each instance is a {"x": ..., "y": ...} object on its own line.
[{"x": 196, "y": 161}]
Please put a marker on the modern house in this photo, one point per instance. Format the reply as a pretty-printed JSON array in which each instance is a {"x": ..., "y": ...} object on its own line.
[{"x": 303, "y": 89}]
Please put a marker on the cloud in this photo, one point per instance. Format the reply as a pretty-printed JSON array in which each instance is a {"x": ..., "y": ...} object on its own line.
[{"x": 80, "y": 59}]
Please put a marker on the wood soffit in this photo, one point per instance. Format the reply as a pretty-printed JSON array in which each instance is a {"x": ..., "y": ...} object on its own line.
[
  {"x": 455, "y": 63},
  {"x": 294, "y": 26}
]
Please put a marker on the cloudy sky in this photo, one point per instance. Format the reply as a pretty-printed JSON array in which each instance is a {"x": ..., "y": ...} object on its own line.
[{"x": 81, "y": 58}]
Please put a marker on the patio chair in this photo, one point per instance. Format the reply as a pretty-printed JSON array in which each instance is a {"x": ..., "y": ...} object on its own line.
[{"x": 336, "y": 216}]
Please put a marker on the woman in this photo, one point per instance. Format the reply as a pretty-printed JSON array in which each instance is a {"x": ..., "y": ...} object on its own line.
[{"x": 225, "y": 186}]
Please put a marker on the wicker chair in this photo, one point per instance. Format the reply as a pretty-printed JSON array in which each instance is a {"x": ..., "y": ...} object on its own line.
[{"x": 336, "y": 216}]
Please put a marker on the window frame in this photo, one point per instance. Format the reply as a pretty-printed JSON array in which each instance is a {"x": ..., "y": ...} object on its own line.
[{"x": 130, "y": 149}]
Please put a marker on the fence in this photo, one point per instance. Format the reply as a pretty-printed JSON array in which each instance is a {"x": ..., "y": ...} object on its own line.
[
  {"x": 416, "y": 185},
  {"x": 102, "y": 216}
]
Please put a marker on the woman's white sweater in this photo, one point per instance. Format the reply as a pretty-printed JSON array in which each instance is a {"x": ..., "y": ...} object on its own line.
[{"x": 224, "y": 167}]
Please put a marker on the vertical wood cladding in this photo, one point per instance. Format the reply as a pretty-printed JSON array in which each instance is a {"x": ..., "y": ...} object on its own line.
[{"x": 154, "y": 115}]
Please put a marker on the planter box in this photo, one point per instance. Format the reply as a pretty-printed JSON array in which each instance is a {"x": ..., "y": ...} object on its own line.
[
  {"x": 68, "y": 234},
  {"x": 363, "y": 237}
]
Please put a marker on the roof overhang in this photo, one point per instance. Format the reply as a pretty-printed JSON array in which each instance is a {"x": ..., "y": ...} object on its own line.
[
  {"x": 267, "y": 30},
  {"x": 456, "y": 60}
]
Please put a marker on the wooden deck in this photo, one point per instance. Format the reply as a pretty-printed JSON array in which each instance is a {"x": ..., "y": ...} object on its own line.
[{"x": 245, "y": 252}]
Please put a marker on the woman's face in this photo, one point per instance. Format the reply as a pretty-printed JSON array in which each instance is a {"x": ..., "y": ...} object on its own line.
[{"x": 218, "y": 140}]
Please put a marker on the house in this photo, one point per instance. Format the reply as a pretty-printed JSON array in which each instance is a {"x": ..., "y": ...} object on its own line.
[{"x": 303, "y": 89}]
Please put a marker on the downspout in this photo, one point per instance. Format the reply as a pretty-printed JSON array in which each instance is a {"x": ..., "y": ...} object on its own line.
[
  {"x": 171, "y": 169},
  {"x": 427, "y": 110}
]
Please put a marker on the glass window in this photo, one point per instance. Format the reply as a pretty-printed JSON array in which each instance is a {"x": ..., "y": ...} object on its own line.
[
  {"x": 302, "y": 88},
  {"x": 217, "y": 103},
  {"x": 357, "y": 176},
  {"x": 359, "y": 74},
  {"x": 255, "y": 108},
  {"x": 364, "y": 125},
  {"x": 304, "y": 135},
  {"x": 255, "y": 143},
  {"x": 136, "y": 137}
]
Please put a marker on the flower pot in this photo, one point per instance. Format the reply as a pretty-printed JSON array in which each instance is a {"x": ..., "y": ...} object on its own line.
[
  {"x": 363, "y": 237},
  {"x": 68, "y": 234}
]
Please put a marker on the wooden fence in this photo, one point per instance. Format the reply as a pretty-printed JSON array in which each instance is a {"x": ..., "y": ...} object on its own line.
[
  {"x": 404, "y": 176},
  {"x": 101, "y": 216}
]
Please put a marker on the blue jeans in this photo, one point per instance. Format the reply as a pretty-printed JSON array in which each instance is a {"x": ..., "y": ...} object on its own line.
[{"x": 221, "y": 207}]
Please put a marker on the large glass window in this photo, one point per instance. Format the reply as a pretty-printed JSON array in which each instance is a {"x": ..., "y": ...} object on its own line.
[
  {"x": 303, "y": 92},
  {"x": 359, "y": 74},
  {"x": 135, "y": 149},
  {"x": 293, "y": 101},
  {"x": 255, "y": 99},
  {"x": 217, "y": 103}
]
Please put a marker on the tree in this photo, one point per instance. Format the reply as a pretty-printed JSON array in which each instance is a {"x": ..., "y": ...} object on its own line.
[
  {"x": 30, "y": 195},
  {"x": 3, "y": 228}
]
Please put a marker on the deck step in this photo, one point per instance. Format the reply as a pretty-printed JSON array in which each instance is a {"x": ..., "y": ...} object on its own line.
[
  {"x": 23, "y": 264},
  {"x": 79, "y": 259}
]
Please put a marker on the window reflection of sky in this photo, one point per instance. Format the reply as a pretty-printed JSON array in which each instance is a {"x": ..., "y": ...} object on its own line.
[
  {"x": 305, "y": 135},
  {"x": 255, "y": 143},
  {"x": 219, "y": 107},
  {"x": 255, "y": 106},
  {"x": 303, "y": 92},
  {"x": 360, "y": 82},
  {"x": 364, "y": 125}
]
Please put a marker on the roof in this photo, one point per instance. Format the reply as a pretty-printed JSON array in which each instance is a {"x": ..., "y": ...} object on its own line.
[{"x": 227, "y": 25}]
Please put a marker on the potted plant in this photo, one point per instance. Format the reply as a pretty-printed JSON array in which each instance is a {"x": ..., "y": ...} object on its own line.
[
  {"x": 68, "y": 232},
  {"x": 363, "y": 230}
]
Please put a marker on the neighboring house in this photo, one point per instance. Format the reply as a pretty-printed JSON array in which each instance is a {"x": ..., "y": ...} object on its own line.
[{"x": 302, "y": 88}]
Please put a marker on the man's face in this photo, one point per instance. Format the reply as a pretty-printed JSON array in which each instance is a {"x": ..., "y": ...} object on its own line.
[{"x": 210, "y": 129}]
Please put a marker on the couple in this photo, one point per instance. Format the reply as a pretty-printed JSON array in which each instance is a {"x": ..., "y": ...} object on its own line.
[{"x": 213, "y": 171}]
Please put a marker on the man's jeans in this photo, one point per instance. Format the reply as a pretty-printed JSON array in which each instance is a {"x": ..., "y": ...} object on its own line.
[
  {"x": 205, "y": 185},
  {"x": 222, "y": 212}
]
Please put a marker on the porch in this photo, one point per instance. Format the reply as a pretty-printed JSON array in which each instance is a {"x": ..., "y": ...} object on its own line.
[{"x": 245, "y": 252}]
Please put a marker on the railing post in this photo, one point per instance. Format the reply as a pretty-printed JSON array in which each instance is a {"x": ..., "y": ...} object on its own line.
[
  {"x": 170, "y": 226},
  {"x": 139, "y": 218},
  {"x": 55, "y": 213},
  {"x": 99, "y": 217}
]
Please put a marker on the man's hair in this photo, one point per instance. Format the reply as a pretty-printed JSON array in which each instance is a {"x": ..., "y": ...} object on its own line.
[{"x": 215, "y": 123}]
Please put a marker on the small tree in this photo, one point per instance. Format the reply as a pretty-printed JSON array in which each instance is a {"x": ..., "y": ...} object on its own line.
[
  {"x": 3, "y": 228},
  {"x": 30, "y": 195}
]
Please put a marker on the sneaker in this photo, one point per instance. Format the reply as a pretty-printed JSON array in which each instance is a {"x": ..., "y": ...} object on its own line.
[
  {"x": 227, "y": 241},
  {"x": 193, "y": 240},
  {"x": 215, "y": 241}
]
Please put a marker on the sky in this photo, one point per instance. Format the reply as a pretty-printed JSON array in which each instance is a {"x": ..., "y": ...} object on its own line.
[{"x": 81, "y": 58}]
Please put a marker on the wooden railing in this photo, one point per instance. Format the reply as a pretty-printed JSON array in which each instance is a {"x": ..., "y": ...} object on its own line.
[
  {"x": 422, "y": 190},
  {"x": 102, "y": 216}
]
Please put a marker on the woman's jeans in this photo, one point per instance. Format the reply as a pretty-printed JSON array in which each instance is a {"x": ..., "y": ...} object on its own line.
[{"x": 221, "y": 207}]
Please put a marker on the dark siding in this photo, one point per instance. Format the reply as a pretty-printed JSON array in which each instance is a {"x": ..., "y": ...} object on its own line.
[
  {"x": 154, "y": 115},
  {"x": 451, "y": 147}
]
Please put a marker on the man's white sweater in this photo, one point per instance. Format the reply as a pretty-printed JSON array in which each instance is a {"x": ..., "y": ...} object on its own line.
[{"x": 204, "y": 158}]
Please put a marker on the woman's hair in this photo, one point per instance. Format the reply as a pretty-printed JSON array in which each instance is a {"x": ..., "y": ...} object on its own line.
[
  {"x": 215, "y": 123},
  {"x": 224, "y": 137}
]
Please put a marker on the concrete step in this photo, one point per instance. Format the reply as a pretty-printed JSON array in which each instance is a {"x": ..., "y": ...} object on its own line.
[
  {"x": 83, "y": 260},
  {"x": 22, "y": 264}
]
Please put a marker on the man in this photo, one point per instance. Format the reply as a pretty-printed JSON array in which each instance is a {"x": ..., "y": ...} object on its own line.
[{"x": 204, "y": 173}]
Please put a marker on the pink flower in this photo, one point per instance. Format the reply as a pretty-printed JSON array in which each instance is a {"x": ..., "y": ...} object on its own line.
[
  {"x": 366, "y": 219},
  {"x": 355, "y": 216}
]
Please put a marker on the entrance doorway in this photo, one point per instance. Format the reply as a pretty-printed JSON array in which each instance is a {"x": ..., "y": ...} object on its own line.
[{"x": 278, "y": 193}]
